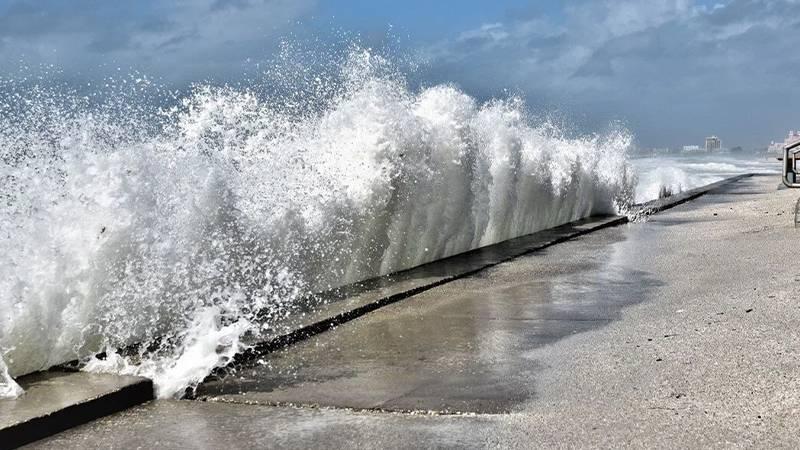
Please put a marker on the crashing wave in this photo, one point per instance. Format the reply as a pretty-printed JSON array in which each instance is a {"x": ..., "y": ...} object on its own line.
[{"x": 171, "y": 227}]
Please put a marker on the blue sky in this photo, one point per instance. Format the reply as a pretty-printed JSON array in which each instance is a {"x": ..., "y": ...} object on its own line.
[{"x": 672, "y": 70}]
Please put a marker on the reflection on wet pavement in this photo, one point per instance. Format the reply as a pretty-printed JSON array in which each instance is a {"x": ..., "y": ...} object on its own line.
[{"x": 461, "y": 347}]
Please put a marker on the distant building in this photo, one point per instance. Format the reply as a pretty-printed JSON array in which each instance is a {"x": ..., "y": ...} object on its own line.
[
  {"x": 713, "y": 144},
  {"x": 691, "y": 149},
  {"x": 777, "y": 147}
]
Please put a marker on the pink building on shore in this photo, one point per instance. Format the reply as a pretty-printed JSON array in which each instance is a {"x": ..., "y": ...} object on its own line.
[{"x": 777, "y": 147}]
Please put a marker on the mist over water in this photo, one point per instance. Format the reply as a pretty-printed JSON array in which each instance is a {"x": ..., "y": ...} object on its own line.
[
  {"x": 124, "y": 222},
  {"x": 683, "y": 172}
]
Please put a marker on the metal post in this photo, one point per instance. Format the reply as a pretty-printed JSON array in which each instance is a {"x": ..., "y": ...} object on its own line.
[{"x": 790, "y": 164}]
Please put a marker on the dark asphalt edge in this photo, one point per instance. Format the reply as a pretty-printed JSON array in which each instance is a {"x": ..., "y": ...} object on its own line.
[
  {"x": 304, "y": 332},
  {"x": 81, "y": 413}
]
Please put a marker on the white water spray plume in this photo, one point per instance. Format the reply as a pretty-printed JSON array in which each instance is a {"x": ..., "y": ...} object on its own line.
[{"x": 168, "y": 230}]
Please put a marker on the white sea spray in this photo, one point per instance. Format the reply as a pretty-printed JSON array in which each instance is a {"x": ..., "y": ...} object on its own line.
[{"x": 182, "y": 234}]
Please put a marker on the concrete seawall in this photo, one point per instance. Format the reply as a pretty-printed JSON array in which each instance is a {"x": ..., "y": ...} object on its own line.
[{"x": 56, "y": 401}]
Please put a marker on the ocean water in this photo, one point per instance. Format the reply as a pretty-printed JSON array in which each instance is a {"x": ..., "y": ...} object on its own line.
[
  {"x": 166, "y": 230},
  {"x": 678, "y": 173}
]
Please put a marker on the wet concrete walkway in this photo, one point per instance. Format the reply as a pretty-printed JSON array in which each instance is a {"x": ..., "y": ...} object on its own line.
[
  {"x": 681, "y": 331},
  {"x": 457, "y": 348}
]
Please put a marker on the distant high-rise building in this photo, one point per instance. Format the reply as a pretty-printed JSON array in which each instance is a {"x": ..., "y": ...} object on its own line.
[{"x": 713, "y": 144}]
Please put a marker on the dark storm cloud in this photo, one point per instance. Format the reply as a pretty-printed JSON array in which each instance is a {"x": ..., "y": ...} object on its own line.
[{"x": 177, "y": 40}]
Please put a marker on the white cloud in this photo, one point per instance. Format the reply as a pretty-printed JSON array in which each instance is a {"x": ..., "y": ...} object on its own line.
[{"x": 491, "y": 32}]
